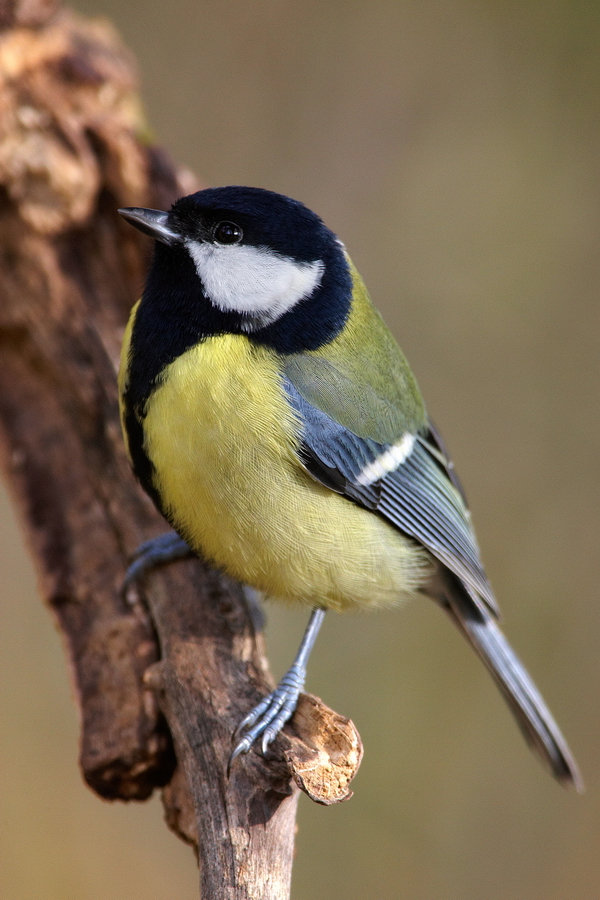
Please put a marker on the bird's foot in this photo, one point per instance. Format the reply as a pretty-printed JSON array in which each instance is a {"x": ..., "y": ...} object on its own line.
[
  {"x": 165, "y": 548},
  {"x": 271, "y": 714}
]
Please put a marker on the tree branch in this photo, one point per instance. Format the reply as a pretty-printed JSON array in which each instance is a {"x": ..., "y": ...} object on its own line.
[{"x": 160, "y": 684}]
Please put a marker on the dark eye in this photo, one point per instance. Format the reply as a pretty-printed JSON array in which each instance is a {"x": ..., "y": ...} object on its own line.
[{"x": 228, "y": 233}]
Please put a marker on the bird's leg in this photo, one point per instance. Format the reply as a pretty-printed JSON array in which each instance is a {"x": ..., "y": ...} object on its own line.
[
  {"x": 269, "y": 717},
  {"x": 163, "y": 549}
]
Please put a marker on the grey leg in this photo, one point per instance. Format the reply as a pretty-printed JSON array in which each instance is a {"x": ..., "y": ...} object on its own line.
[{"x": 269, "y": 717}]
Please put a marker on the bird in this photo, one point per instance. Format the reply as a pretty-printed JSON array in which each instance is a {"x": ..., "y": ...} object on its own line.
[{"x": 271, "y": 416}]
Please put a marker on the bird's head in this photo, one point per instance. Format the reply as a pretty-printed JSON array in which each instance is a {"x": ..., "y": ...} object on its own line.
[{"x": 265, "y": 263}]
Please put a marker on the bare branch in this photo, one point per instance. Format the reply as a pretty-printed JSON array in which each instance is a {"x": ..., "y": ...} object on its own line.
[{"x": 160, "y": 691}]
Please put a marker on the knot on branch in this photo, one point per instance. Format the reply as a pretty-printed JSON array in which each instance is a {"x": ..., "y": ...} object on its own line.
[{"x": 324, "y": 752}]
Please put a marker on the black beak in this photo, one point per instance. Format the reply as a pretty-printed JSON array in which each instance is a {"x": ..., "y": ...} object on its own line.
[{"x": 152, "y": 222}]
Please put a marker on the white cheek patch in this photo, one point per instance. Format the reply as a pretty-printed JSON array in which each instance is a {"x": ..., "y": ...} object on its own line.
[
  {"x": 388, "y": 461},
  {"x": 253, "y": 281}
]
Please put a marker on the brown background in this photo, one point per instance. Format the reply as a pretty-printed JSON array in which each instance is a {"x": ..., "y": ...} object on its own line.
[{"x": 455, "y": 147}]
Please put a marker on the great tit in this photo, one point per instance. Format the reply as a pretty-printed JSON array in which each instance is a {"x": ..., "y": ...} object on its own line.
[{"x": 276, "y": 424}]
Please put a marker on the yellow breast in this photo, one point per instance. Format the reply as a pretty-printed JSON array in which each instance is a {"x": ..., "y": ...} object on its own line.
[{"x": 223, "y": 442}]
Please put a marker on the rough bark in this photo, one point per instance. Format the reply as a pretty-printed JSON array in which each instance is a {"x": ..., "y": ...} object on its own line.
[{"x": 162, "y": 683}]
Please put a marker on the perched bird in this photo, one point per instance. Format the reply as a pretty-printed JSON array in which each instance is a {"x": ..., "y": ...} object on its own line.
[{"x": 276, "y": 424}]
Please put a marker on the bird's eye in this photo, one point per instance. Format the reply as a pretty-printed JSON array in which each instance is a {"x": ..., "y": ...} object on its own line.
[{"x": 227, "y": 233}]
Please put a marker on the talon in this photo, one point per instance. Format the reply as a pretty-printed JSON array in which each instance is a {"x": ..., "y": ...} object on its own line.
[
  {"x": 243, "y": 747},
  {"x": 267, "y": 739}
]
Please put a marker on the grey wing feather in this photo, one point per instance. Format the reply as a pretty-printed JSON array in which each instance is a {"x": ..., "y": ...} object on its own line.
[{"x": 419, "y": 497}]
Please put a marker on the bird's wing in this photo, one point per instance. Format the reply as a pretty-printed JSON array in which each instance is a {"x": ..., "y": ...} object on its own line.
[{"x": 408, "y": 480}]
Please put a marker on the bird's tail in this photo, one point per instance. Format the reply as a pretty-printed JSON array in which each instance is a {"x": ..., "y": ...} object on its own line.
[{"x": 525, "y": 701}]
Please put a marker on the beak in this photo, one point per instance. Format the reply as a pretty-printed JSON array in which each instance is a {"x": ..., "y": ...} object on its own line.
[{"x": 152, "y": 222}]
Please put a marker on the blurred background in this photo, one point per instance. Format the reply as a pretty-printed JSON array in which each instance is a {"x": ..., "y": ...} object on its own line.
[{"x": 455, "y": 147}]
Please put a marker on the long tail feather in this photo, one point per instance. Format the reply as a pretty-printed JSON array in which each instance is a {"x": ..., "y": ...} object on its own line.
[{"x": 525, "y": 701}]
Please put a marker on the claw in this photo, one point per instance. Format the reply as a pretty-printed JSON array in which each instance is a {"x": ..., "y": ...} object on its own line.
[
  {"x": 242, "y": 747},
  {"x": 271, "y": 714}
]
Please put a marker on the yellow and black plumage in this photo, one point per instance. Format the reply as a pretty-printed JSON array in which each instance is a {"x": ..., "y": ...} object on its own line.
[{"x": 275, "y": 422}]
